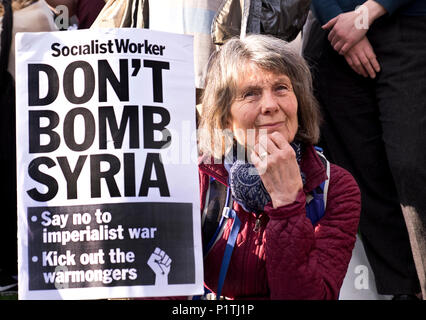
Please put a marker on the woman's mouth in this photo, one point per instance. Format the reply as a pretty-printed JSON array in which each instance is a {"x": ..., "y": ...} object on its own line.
[{"x": 270, "y": 126}]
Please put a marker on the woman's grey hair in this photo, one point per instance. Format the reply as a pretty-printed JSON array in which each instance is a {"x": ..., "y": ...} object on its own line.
[{"x": 228, "y": 64}]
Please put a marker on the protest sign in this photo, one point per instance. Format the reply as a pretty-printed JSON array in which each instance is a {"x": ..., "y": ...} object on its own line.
[{"x": 108, "y": 194}]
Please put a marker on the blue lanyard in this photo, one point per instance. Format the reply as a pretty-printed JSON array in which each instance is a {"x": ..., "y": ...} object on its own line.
[
  {"x": 227, "y": 213},
  {"x": 228, "y": 250}
]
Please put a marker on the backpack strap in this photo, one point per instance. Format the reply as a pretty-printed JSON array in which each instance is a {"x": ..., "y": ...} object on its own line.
[
  {"x": 236, "y": 224},
  {"x": 326, "y": 183},
  {"x": 215, "y": 214},
  {"x": 210, "y": 216},
  {"x": 316, "y": 201}
]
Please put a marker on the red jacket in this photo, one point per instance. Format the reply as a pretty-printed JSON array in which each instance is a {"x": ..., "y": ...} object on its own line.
[{"x": 289, "y": 258}]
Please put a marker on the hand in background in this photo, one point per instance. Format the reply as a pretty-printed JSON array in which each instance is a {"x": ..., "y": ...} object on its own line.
[
  {"x": 344, "y": 31},
  {"x": 362, "y": 59},
  {"x": 349, "y": 28}
]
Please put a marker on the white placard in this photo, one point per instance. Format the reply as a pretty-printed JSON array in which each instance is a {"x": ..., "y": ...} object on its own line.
[{"x": 108, "y": 192}]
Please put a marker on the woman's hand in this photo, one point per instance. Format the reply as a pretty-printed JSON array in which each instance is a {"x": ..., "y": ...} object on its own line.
[
  {"x": 362, "y": 59},
  {"x": 276, "y": 162}
]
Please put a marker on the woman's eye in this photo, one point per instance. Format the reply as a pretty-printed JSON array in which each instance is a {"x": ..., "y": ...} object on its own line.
[
  {"x": 249, "y": 94},
  {"x": 281, "y": 88}
]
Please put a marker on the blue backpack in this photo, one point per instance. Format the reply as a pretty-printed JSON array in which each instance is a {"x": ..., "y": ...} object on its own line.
[{"x": 219, "y": 199}]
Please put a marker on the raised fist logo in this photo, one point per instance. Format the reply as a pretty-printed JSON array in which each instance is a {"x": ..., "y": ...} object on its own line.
[{"x": 160, "y": 263}]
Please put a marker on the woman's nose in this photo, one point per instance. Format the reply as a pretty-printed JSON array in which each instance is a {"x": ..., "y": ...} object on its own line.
[{"x": 268, "y": 102}]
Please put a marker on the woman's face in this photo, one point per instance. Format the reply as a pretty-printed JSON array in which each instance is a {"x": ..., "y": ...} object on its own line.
[{"x": 265, "y": 100}]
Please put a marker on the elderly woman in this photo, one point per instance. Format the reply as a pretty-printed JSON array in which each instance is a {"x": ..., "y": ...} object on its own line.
[{"x": 260, "y": 90}]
